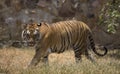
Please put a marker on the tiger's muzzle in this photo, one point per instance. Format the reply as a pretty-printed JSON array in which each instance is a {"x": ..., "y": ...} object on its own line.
[{"x": 30, "y": 37}]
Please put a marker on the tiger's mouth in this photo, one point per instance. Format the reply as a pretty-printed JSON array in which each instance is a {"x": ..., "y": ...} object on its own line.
[{"x": 31, "y": 43}]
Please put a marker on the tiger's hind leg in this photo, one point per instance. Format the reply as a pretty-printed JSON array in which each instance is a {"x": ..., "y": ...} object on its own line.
[
  {"x": 78, "y": 53},
  {"x": 88, "y": 56},
  {"x": 78, "y": 56},
  {"x": 79, "y": 49}
]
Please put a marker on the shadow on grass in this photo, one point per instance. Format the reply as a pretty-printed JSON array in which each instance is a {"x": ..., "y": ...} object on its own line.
[{"x": 115, "y": 54}]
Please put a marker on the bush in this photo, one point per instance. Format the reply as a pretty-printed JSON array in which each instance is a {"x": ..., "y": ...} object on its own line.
[{"x": 110, "y": 15}]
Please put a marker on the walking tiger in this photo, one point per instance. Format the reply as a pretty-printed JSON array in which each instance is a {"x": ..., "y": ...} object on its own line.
[{"x": 58, "y": 37}]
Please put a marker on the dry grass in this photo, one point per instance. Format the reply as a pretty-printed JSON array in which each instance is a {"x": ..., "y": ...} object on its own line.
[{"x": 14, "y": 61}]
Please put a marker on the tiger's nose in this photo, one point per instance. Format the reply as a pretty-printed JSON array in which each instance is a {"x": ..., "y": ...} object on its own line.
[{"x": 30, "y": 40}]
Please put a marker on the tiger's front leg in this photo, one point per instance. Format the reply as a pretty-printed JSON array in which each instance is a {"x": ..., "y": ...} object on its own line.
[{"x": 40, "y": 55}]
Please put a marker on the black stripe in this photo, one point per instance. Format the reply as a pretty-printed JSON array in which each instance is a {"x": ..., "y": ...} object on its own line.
[
  {"x": 67, "y": 41},
  {"x": 80, "y": 46},
  {"x": 54, "y": 48},
  {"x": 62, "y": 45},
  {"x": 71, "y": 32},
  {"x": 80, "y": 40},
  {"x": 78, "y": 35},
  {"x": 67, "y": 37}
]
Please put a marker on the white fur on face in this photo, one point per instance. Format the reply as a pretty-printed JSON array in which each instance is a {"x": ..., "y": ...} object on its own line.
[
  {"x": 35, "y": 32},
  {"x": 37, "y": 28},
  {"x": 28, "y": 32},
  {"x": 22, "y": 35}
]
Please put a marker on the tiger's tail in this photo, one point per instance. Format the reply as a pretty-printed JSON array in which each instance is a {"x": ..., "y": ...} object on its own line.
[{"x": 92, "y": 44}]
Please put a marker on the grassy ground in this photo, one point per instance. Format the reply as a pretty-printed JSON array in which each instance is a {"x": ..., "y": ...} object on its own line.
[{"x": 14, "y": 61}]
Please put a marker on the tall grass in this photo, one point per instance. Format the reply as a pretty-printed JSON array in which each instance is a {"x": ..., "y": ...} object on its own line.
[{"x": 15, "y": 61}]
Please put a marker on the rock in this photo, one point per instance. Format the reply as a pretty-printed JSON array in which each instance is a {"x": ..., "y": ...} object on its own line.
[{"x": 15, "y": 13}]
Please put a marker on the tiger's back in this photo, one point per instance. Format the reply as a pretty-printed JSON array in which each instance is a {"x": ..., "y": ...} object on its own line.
[{"x": 68, "y": 34}]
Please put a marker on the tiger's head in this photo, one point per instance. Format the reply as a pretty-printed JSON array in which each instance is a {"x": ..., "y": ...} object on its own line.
[
  {"x": 33, "y": 32},
  {"x": 30, "y": 33}
]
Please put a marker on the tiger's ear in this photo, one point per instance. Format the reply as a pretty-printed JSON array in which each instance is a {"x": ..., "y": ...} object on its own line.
[{"x": 39, "y": 24}]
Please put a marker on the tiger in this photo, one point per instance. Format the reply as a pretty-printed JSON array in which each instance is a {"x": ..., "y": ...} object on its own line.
[{"x": 58, "y": 37}]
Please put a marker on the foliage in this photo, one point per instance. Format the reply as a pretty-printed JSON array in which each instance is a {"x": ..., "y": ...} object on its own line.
[{"x": 110, "y": 15}]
